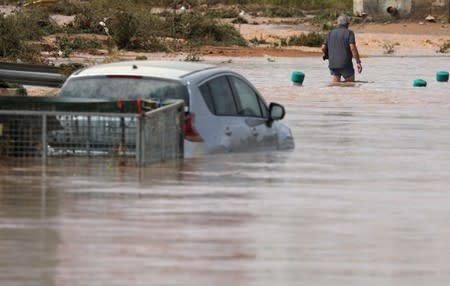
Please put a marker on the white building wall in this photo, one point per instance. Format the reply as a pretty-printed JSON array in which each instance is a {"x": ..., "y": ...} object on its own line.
[
  {"x": 379, "y": 8},
  {"x": 417, "y": 9}
]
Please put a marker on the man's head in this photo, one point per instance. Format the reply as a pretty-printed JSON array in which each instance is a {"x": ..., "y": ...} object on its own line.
[{"x": 343, "y": 20}]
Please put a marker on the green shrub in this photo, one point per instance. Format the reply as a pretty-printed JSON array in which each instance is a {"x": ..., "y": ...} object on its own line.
[
  {"x": 389, "y": 48},
  {"x": 325, "y": 18},
  {"x": 80, "y": 43},
  {"x": 240, "y": 20},
  {"x": 132, "y": 28},
  {"x": 222, "y": 13},
  {"x": 11, "y": 38},
  {"x": 68, "y": 69},
  {"x": 34, "y": 23},
  {"x": 20, "y": 90},
  {"x": 149, "y": 33},
  {"x": 141, "y": 58},
  {"x": 199, "y": 29},
  {"x": 282, "y": 12},
  {"x": 124, "y": 26},
  {"x": 327, "y": 27},
  {"x": 67, "y": 46},
  {"x": 88, "y": 20},
  {"x": 192, "y": 57},
  {"x": 444, "y": 48},
  {"x": 93, "y": 12},
  {"x": 255, "y": 41},
  {"x": 328, "y": 18},
  {"x": 65, "y": 7},
  {"x": 18, "y": 30},
  {"x": 312, "y": 39},
  {"x": 216, "y": 33},
  {"x": 64, "y": 46}
]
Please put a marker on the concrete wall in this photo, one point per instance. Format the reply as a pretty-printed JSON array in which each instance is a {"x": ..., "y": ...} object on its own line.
[
  {"x": 437, "y": 8},
  {"x": 382, "y": 9},
  {"x": 400, "y": 9}
]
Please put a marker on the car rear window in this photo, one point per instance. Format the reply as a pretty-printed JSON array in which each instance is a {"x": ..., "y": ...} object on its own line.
[{"x": 124, "y": 87}]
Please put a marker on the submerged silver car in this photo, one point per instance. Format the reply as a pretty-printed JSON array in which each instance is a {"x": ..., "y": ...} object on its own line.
[{"x": 223, "y": 111}]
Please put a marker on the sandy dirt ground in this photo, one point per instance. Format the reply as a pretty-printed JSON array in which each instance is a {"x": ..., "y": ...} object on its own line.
[
  {"x": 413, "y": 38},
  {"x": 405, "y": 38},
  {"x": 373, "y": 39}
]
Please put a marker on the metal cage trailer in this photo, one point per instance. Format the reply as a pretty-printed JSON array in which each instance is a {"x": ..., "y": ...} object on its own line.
[{"x": 140, "y": 130}]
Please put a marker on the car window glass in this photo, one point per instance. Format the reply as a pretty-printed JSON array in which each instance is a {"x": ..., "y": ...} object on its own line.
[
  {"x": 248, "y": 103},
  {"x": 222, "y": 96},
  {"x": 204, "y": 90},
  {"x": 124, "y": 88}
]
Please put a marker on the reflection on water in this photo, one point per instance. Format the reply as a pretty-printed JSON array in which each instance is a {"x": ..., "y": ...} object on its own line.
[{"x": 362, "y": 200}]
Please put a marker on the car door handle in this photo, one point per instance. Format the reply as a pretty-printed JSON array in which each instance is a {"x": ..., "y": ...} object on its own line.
[
  {"x": 228, "y": 131},
  {"x": 254, "y": 132}
]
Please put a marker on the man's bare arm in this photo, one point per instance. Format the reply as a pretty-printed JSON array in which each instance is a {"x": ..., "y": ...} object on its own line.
[
  {"x": 355, "y": 52},
  {"x": 324, "y": 49},
  {"x": 355, "y": 55}
]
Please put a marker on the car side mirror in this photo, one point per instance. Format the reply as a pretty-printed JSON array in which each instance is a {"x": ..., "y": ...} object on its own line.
[{"x": 276, "y": 112}]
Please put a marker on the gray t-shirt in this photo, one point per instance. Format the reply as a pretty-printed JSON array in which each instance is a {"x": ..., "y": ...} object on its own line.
[{"x": 339, "y": 52}]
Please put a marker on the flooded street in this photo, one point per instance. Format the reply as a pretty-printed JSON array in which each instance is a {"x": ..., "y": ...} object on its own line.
[{"x": 362, "y": 200}]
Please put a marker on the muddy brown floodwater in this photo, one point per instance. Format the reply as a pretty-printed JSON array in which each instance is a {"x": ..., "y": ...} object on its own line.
[{"x": 362, "y": 200}]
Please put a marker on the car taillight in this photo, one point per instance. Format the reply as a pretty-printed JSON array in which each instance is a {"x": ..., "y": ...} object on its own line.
[{"x": 190, "y": 133}]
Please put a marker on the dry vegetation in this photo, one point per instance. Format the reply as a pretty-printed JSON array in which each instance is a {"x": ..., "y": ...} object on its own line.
[
  {"x": 32, "y": 33},
  {"x": 108, "y": 29}
]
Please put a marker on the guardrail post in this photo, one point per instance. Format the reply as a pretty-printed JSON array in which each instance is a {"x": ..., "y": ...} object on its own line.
[
  {"x": 139, "y": 140},
  {"x": 88, "y": 143},
  {"x": 44, "y": 137},
  {"x": 164, "y": 134},
  {"x": 179, "y": 123}
]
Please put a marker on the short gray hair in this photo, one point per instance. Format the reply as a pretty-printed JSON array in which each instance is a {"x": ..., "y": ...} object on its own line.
[{"x": 343, "y": 20}]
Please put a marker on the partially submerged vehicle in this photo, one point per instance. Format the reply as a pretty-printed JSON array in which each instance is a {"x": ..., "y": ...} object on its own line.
[{"x": 224, "y": 112}]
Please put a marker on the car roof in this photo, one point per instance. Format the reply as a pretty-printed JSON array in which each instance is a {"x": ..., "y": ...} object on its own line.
[{"x": 163, "y": 69}]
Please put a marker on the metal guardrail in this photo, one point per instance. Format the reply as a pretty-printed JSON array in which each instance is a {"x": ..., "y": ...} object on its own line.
[
  {"x": 72, "y": 104},
  {"x": 28, "y": 74}
]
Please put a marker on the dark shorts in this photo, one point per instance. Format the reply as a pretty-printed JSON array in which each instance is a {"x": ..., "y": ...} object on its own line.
[{"x": 345, "y": 72}]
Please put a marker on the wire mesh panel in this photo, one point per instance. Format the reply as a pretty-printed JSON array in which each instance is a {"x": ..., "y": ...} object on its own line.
[
  {"x": 147, "y": 137},
  {"x": 162, "y": 134},
  {"x": 93, "y": 134},
  {"x": 21, "y": 135}
]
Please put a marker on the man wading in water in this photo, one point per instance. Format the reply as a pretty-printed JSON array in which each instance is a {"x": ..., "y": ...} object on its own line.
[{"x": 339, "y": 48}]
